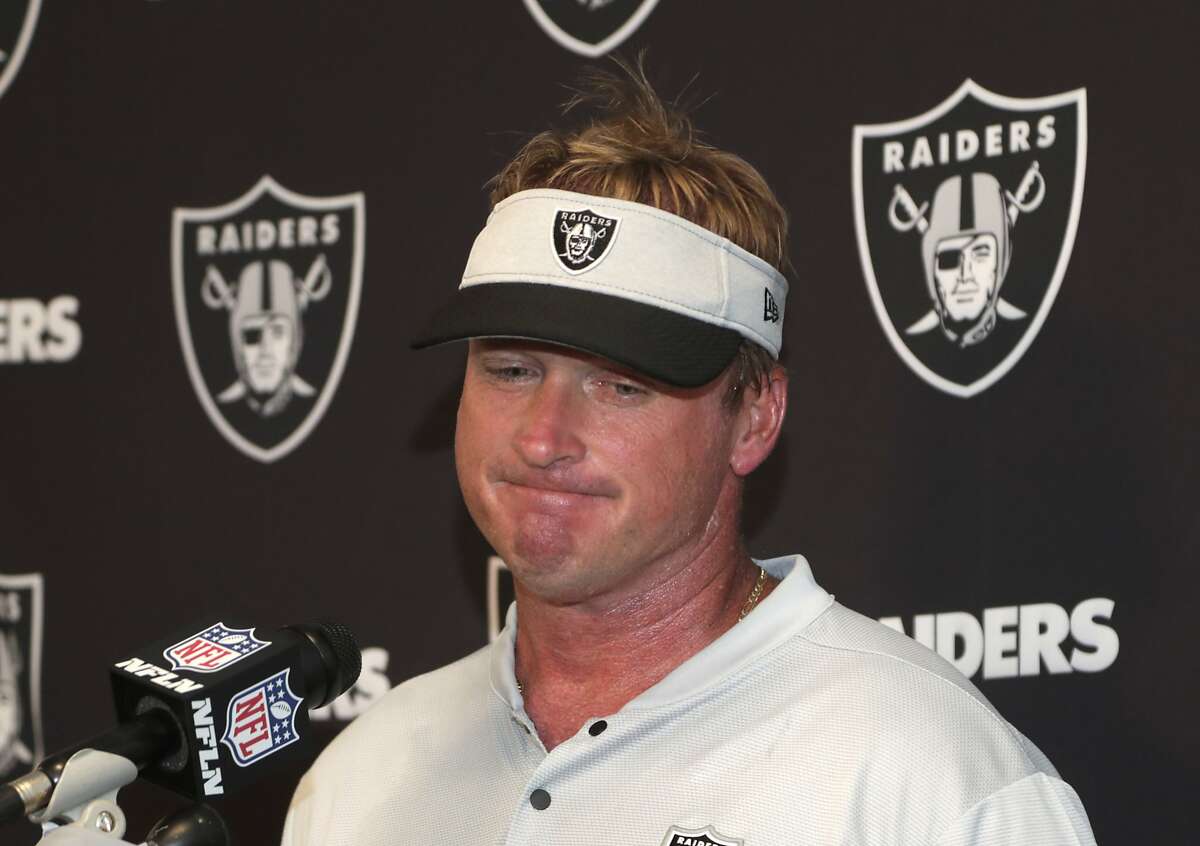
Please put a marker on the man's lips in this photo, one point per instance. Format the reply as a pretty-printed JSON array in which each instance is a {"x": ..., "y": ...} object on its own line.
[{"x": 551, "y": 487}]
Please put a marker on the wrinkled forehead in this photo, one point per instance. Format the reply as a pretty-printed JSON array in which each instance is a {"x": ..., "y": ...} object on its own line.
[{"x": 536, "y": 347}]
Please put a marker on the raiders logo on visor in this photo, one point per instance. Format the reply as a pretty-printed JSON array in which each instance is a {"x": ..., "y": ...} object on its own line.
[
  {"x": 590, "y": 27},
  {"x": 17, "y": 22},
  {"x": 582, "y": 238},
  {"x": 966, "y": 216},
  {"x": 266, "y": 299}
]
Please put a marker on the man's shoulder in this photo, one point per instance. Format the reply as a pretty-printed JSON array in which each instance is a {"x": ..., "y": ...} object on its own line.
[
  {"x": 441, "y": 700},
  {"x": 905, "y": 698},
  {"x": 919, "y": 741},
  {"x": 888, "y": 657},
  {"x": 398, "y": 753}
]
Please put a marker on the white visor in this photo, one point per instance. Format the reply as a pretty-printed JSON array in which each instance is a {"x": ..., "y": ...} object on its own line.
[{"x": 624, "y": 280}]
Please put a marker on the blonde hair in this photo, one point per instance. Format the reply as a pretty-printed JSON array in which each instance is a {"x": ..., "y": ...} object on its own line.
[{"x": 634, "y": 146}]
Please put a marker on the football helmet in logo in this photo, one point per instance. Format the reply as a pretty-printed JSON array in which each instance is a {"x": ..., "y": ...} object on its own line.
[
  {"x": 965, "y": 250},
  {"x": 266, "y": 329},
  {"x": 581, "y": 239}
]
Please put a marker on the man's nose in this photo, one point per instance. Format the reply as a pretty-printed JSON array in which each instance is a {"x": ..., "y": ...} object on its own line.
[
  {"x": 965, "y": 271},
  {"x": 548, "y": 430}
]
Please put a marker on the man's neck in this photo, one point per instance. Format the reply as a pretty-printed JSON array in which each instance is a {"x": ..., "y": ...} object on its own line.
[{"x": 579, "y": 661}]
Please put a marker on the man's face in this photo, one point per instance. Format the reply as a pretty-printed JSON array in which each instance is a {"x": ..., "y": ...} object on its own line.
[
  {"x": 965, "y": 270},
  {"x": 578, "y": 243},
  {"x": 266, "y": 342},
  {"x": 581, "y": 474}
]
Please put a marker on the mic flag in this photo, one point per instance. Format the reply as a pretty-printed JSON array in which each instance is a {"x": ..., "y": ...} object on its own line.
[{"x": 239, "y": 696}]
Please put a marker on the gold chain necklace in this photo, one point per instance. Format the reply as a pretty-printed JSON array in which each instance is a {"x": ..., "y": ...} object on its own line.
[
  {"x": 755, "y": 594},
  {"x": 752, "y": 600}
]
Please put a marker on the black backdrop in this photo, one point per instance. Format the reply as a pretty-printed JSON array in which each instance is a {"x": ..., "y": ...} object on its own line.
[{"x": 1072, "y": 477}]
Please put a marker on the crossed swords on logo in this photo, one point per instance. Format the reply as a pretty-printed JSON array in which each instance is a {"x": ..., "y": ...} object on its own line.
[
  {"x": 914, "y": 218},
  {"x": 219, "y": 294}
]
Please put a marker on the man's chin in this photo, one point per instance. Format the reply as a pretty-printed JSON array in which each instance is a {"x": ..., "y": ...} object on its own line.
[
  {"x": 964, "y": 322},
  {"x": 552, "y": 570},
  {"x": 543, "y": 549}
]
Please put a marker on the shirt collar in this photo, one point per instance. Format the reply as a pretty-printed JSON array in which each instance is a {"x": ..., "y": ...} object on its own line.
[{"x": 795, "y": 602}]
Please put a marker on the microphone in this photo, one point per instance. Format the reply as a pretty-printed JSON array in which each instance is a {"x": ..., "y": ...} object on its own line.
[{"x": 210, "y": 709}]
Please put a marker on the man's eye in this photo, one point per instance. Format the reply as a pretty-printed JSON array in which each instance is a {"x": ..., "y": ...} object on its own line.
[
  {"x": 623, "y": 389},
  {"x": 510, "y": 373},
  {"x": 949, "y": 259}
]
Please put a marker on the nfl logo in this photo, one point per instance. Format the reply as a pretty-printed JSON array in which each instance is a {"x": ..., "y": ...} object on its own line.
[
  {"x": 261, "y": 720},
  {"x": 213, "y": 649}
]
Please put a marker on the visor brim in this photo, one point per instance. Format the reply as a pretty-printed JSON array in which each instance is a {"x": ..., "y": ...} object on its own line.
[{"x": 666, "y": 346}]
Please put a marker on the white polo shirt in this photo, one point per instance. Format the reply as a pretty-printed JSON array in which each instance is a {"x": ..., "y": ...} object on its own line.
[{"x": 806, "y": 724}]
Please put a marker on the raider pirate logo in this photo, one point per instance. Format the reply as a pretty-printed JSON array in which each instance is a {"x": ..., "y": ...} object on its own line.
[
  {"x": 582, "y": 238},
  {"x": 266, "y": 298},
  {"x": 20, "y": 673},
  {"x": 966, "y": 216},
  {"x": 706, "y": 836},
  {"x": 17, "y": 21},
  {"x": 590, "y": 27}
]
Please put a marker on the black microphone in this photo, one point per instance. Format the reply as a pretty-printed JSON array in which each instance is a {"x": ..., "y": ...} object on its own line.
[{"x": 210, "y": 709}]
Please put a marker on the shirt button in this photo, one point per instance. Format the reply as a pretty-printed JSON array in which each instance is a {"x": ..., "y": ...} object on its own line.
[
  {"x": 539, "y": 799},
  {"x": 596, "y": 728}
]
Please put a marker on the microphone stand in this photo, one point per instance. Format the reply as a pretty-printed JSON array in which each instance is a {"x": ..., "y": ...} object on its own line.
[
  {"x": 83, "y": 809},
  {"x": 86, "y": 795}
]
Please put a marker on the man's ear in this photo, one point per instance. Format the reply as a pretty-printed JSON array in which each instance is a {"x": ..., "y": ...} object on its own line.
[{"x": 759, "y": 423}]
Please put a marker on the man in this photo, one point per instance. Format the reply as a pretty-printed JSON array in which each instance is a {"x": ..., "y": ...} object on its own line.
[{"x": 654, "y": 684}]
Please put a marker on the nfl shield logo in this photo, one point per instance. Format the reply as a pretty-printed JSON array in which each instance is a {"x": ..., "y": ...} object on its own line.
[
  {"x": 590, "y": 27},
  {"x": 213, "y": 649},
  {"x": 966, "y": 216},
  {"x": 20, "y": 673},
  {"x": 582, "y": 238},
  {"x": 266, "y": 298},
  {"x": 261, "y": 720},
  {"x": 17, "y": 21},
  {"x": 706, "y": 836}
]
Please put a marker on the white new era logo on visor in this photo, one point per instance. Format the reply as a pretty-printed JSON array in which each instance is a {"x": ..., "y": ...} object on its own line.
[{"x": 770, "y": 308}]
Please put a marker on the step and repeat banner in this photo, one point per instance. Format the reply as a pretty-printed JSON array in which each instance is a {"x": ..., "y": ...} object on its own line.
[{"x": 224, "y": 219}]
